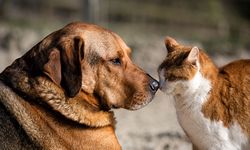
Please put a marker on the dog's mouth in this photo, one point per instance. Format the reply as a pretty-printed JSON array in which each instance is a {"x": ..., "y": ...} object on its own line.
[
  {"x": 139, "y": 101},
  {"x": 115, "y": 106}
]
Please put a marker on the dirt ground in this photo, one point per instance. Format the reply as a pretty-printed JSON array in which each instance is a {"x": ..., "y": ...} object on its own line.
[{"x": 154, "y": 127}]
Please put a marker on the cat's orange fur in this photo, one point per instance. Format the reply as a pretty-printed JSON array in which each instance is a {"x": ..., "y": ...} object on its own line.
[
  {"x": 227, "y": 101},
  {"x": 230, "y": 98}
]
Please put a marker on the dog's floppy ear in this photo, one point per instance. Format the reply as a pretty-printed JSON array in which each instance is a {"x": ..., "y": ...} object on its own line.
[
  {"x": 64, "y": 65},
  {"x": 53, "y": 67}
]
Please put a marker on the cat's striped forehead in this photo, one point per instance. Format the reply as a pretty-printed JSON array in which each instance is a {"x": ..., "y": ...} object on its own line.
[
  {"x": 175, "y": 67},
  {"x": 175, "y": 57}
]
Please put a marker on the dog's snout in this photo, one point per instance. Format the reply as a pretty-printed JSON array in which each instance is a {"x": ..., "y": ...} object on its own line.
[{"x": 153, "y": 84}]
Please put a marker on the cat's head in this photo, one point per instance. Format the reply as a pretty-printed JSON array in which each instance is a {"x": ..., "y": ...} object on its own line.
[{"x": 180, "y": 70}]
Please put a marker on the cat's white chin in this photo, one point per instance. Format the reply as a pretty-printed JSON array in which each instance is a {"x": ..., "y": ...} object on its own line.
[
  {"x": 169, "y": 88},
  {"x": 164, "y": 88}
]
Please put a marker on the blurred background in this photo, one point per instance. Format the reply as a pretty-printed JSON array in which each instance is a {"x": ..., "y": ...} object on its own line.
[{"x": 221, "y": 27}]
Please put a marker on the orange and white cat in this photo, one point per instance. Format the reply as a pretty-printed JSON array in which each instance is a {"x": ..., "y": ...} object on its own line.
[{"x": 212, "y": 104}]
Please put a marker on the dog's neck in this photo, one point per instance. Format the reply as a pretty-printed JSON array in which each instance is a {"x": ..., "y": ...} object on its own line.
[
  {"x": 82, "y": 108},
  {"x": 93, "y": 101},
  {"x": 51, "y": 130}
]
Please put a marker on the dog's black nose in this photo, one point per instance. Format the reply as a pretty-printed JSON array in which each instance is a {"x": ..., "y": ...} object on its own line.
[{"x": 153, "y": 84}]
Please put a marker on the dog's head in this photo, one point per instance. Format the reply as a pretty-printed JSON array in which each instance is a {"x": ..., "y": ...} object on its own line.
[{"x": 89, "y": 59}]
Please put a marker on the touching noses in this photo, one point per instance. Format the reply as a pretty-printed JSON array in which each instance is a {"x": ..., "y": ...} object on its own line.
[{"x": 153, "y": 84}]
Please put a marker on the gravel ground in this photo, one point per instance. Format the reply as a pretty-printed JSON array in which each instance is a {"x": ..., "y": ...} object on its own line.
[{"x": 153, "y": 127}]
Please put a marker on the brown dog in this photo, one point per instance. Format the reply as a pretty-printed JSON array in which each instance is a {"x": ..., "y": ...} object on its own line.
[{"x": 59, "y": 94}]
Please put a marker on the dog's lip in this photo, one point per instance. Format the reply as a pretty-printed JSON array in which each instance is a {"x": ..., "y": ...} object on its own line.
[
  {"x": 114, "y": 107},
  {"x": 142, "y": 104}
]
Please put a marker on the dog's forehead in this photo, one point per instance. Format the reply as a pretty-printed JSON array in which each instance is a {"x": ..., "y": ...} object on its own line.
[
  {"x": 105, "y": 43},
  {"x": 101, "y": 41}
]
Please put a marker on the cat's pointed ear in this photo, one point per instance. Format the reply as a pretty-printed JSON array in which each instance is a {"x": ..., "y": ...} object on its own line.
[
  {"x": 193, "y": 55},
  {"x": 170, "y": 44}
]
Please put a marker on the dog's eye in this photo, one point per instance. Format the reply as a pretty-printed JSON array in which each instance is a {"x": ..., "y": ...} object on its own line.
[{"x": 116, "y": 61}]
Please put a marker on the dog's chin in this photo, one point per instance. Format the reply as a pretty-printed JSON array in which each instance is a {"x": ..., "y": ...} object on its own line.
[{"x": 139, "y": 103}]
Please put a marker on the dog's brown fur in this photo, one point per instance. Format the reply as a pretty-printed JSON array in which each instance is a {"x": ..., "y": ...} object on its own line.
[{"x": 59, "y": 94}]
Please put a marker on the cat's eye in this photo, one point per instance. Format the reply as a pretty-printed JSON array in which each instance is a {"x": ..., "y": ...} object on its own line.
[{"x": 116, "y": 61}]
